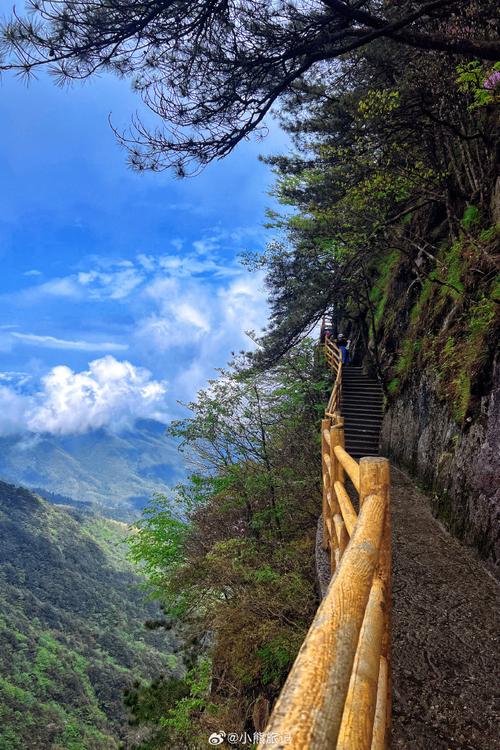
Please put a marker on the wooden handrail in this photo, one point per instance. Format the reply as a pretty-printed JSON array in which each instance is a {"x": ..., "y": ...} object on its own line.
[
  {"x": 349, "y": 464},
  {"x": 338, "y": 693},
  {"x": 311, "y": 706},
  {"x": 348, "y": 513}
]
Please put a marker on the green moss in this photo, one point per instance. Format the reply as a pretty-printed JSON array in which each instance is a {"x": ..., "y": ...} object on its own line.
[
  {"x": 419, "y": 305},
  {"x": 393, "y": 386},
  {"x": 471, "y": 217},
  {"x": 380, "y": 291},
  {"x": 480, "y": 317},
  {"x": 410, "y": 347},
  {"x": 454, "y": 270},
  {"x": 460, "y": 405},
  {"x": 489, "y": 234}
]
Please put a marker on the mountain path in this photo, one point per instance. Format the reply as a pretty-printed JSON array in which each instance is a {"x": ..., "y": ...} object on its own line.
[
  {"x": 445, "y": 631},
  {"x": 445, "y": 634}
]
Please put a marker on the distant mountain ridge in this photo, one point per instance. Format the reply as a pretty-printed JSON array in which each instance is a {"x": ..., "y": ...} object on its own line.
[
  {"x": 72, "y": 633},
  {"x": 116, "y": 473}
]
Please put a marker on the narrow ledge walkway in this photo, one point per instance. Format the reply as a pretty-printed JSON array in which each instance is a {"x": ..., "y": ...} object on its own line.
[{"x": 446, "y": 634}]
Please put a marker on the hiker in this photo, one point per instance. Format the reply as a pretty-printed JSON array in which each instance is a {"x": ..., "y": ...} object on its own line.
[{"x": 343, "y": 345}]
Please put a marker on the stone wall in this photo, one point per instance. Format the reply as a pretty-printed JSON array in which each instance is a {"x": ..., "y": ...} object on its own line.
[{"x": 460, "y": 466}]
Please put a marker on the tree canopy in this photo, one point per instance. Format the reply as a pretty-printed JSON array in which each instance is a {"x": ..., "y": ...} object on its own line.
[
  {"x": 212, "y": 69},
  {"x": 388, "y": 155}
]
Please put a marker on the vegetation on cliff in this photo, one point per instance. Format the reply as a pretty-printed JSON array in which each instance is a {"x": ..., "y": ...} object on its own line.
[
  {"x": 238, "y": 570},
  {"x": 72, "y": 634}
]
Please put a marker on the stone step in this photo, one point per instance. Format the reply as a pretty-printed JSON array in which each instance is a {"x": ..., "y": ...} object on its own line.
[
  {"x": 361, "y": 442},
  {"x": 363, "y": 415},
  {"x": 361, "y": 432},
  {"x": 350, "y": 388},
  {"x": 356, "y": 397},
  {"x": 362, "y": 407},
  {"x": 362, "y": 454}
]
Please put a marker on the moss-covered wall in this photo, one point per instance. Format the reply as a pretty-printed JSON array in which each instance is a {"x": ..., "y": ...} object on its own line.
[{"x": 436, "y": 329}]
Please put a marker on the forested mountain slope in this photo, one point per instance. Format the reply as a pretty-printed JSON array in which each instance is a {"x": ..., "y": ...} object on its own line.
[
  {"x": 72, "y": 634},
  {"x": 116, "y": 473}
]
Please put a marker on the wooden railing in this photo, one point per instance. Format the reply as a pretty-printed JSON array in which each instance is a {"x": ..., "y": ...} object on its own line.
[
  {"x": 338, "y": 692},
  {"x": 334, "y": 360}
]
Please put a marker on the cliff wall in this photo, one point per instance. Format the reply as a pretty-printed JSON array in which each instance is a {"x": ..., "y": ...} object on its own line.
[
  {"x": 433, "y": 327},
  {"x": 461, "y": 466}
]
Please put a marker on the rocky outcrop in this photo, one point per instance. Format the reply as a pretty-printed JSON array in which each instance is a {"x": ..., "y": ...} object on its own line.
[{"x": 461, "y": 466}]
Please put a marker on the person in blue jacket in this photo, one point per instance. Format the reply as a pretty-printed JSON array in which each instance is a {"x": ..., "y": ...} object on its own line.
[{"x": 343, "y": 345}]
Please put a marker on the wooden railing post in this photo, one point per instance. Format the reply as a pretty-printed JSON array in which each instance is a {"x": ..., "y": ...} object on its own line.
[
  {"x": 325, "y": 450},
  {"x": 374, "y": 479},
  {"x": 337, "y": 438},
  {"x": 340, "y": 532},
  {"x": 385, "y": 565}
]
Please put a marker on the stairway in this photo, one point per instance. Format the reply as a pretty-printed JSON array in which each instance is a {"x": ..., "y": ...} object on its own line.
[{"x": 362, "y": 409}]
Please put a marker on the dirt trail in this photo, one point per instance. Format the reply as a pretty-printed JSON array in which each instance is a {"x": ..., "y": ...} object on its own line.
[{"x": 445, "y": 634}]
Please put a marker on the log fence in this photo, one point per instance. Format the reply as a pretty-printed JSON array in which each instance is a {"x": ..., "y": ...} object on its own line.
[{"x": 338, "y": 692}]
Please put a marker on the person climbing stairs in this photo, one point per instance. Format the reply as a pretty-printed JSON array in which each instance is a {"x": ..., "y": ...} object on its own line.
[{"x": 362, "y": 409}]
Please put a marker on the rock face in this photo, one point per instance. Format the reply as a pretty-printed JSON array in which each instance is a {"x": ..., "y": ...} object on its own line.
[{"x": 461, "y": 467}]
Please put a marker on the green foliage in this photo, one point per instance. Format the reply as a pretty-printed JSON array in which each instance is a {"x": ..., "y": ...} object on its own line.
[
  {"x": 378, "y": 103},
  {"x": 471, "y": 79},
  {"x": 157, "y": 541},
  {"x": 71, "y": 627},
  {"x": 471, "y": 217},
  {"x": 277, "y": 657},
  {"x": 380, "y": 289},
  {"x": 180, "y": 717},
  {"x": 239, "y": 565}
]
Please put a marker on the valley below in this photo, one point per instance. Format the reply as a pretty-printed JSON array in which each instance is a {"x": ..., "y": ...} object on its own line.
[
  {"x": 114, "y": 474},
  {"x": 72, "y": 634}
]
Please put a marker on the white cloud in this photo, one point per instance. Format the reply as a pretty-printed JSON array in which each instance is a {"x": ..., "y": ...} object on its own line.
[
  {"x": 146, "y": 261},
  {"x": 13, "y": 410},
  {"x": 177, "y": 243},
  {"x": 117, "y": 279},
  {"x": 244, "y": 302},
  {"x": 15, "y": 378},
  {"x": 115, "y": 284},
  {"x": 64, "y": 287},
  {"x": 185, "y": 311},
  {"x": 111, "y": 394},
  {"x": 33, "y": 272},
  {"x": 51, "y": 342}
]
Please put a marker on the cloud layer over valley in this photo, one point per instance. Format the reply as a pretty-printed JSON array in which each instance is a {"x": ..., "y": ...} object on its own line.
[
  {"x": 177, "y": 316},
  {"x": 110, "y": 394}
]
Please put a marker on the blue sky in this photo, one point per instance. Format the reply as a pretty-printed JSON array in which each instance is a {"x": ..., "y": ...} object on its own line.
[{"x": 135, "y": 273}]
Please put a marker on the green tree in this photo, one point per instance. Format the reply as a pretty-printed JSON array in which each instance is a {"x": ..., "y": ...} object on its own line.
[
  {"x": 239, "y": 576},
  {"x": 211, "y": 71}
]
